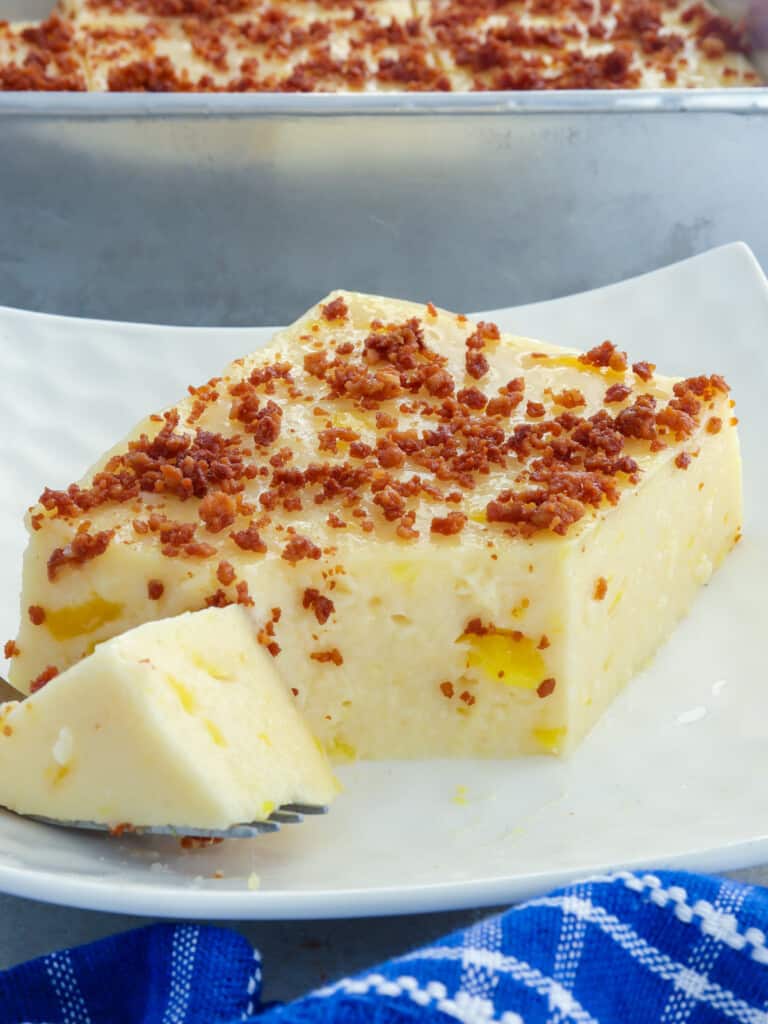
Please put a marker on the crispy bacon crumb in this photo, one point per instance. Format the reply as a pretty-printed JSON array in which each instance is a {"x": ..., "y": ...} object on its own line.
[
  {"x": 544, "y": 643},
  {"x": 201, "y": 843},
  {"x": 217, "y": 511},
  {"x": 322, "y": 606},
  {"x": 83, "y": 547},
  {"x": 617, "y": 393},
  {"x": 683, "y": 460},
  {"x": 249, "y": 539},
  {"x": 155, "y": 589},
  {"x": 643, "y": 370},
  {"x": 333, "y": 656},
  {"x": 446, "y": 689},
  {"x": 49, "y": 672},
  {"x": 605, "y": 355},
  {"x": 714, "y": 425},
  {"x": 448, "y": 525},
  {"x": 570, "y": 398},
  {"x": 225, "y": 573},
  {"x": 468, "y": 698},
  {"x": 535, "y": 410},
  {"x": 547, "y": 687},
  {"x": 337, "y": 309},
  {"x": 298, "y": 548},
  {"x": 36, "y": 614},
  {"x": 601, "y": 588},
  {"x": 11, "y": 649}
]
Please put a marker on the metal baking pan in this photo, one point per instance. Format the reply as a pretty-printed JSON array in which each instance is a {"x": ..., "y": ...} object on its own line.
[{"x": 244, "y": 209}]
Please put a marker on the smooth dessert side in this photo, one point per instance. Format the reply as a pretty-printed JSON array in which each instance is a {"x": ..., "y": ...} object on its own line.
[
  {"x": 376, "y": 46},
  {"x": 450, "y": 541},
  {"x": 179, "y": 723}
]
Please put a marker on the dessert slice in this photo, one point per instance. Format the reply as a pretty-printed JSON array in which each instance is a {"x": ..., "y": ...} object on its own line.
[
  {"x": 452, "y": 542},
  {"x": 181, "y": 722}
]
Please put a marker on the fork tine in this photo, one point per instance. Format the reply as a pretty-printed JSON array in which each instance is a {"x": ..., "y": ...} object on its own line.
[{"x": 304, "y": 808}]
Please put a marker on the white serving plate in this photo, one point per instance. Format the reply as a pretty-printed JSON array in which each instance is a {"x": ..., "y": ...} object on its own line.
[{"x": 673, "y": 774}]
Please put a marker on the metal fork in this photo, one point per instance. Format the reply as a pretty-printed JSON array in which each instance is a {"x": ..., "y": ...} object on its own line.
[{"x": 286, "y": 814}]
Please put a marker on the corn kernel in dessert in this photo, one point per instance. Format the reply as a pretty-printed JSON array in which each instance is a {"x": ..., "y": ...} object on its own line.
[
  {"x": 451, "y": 541},
  {"x": 182, "y": 722}
]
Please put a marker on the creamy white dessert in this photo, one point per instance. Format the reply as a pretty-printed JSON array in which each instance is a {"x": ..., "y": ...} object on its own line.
[
  {"x": 181, "y": 722},
  {"x": 452, "y": 542}
]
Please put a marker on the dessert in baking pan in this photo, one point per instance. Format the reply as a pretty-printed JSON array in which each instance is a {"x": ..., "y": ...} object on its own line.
[
  {"x": 374, "y": 46},
  {"x": 449, "y": 541}
]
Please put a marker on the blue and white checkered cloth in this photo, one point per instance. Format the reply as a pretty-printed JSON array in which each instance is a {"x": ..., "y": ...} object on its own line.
[{"x": 666, "y": 948}]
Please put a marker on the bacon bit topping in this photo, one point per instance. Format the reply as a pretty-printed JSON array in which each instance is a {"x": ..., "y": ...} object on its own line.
[
  {"x": 49, "y": 672},
  {"x": 11, "y": 649},
  {"x": 334, "y": 655},
  {"x": 535, "y": 410},
  {"x": 503, "y": 405},
  {"x": 643, "y": 370},
  {"x": 337, "y": 309},
  {"x": 249, "y": 539},
  {"x": 446, "y": 689},
  {"x": 298, "y": 548},
  {"x": 36, "y": 614},
  {"x": 322, "y": 606},
  {"x": 546, "y": 688},
  {"x": 243, "y": 595},
  {"x": 225, "y": 573},
  {"x": 601, "y": 588},
  {"x": 468, "y": 698},
  {"x": 217, "y": 511},
  {"x": 714, "y": 425},
  {"x": 197, "y": 549},
  {"x": 83, "y": 547},
  {"x": 473, "y": 398},
  {"x": 335, "y": 522},
  {"x": 476, "y": 364},
  {"x": 155, "y": 589},
  {"x": 120, "y": 829},
  {"x": 316, "y": 365},
  {"x": 617, "y": 393},
  {"x": 607, "y": 355},
  {"x": 431, "y": 310},
  {"x": 639, "y": 419},
  {"x": 570, "y": 398},
  {"x": 683, "y": 460},
  {"x": 544, "y": 643},
  {"x": 201, "y": 843},
  {"x": 217, "y": 600},
  {"x": 294, "y": 691},
  {"x": 384, "y": 421},
  {"x": 448, "y": 525}
]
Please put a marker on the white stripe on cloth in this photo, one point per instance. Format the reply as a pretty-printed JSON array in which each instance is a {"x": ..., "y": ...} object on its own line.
[
  {"x": 704, "y": 954},
  {"x": 62, "y": 975},
  {"x": 702, "y": 914},
  {"x": 573, "y": 932},
  {"x": 475, "y": 978},
  {"x": 558, "y": 998},
  {"x": 183, "y": 949},
  {"x": 694, "y": 984},
  {"x": 463, "y": 1007}
]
